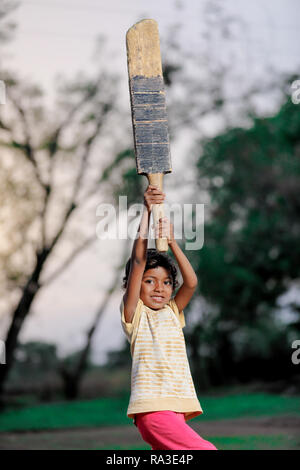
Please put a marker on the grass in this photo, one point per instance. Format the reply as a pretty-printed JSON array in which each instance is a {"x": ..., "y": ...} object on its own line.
[
  {"x": 83, "y": 413},
  {"x": 248, "y": 405},
  {"x": 251, "y": 442},
  {"x": 255, "y": 442},
  {"x": 112, "y": 411}
]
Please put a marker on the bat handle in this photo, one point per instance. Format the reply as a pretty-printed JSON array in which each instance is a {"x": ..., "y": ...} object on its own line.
[{"x": 158, "y": 210}]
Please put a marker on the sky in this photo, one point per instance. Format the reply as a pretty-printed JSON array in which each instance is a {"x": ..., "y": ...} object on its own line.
[{"x": 57, "y": 38}]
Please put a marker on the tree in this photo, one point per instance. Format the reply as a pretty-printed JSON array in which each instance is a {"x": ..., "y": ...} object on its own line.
[
  {"x": 251, "y": 251},
  {"x": 7, "y": 27},
  {"x": 131, "y": 184},
  {"x": 50, "y": 170}
]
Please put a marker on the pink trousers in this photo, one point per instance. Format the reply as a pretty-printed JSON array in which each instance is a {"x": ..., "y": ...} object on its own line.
[{"x": 167, "y": 430}]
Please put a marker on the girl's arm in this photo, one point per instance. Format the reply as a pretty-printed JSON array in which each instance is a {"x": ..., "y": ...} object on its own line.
[
  {"x": 137, "y": 268},
  {"x": 139, "y": 254},
  {"x": 190, "y": 281}
]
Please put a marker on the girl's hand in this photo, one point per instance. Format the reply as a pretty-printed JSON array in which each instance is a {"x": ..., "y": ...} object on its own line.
[
  {"x": 164, "y": 229},
  {"x": 153, "y": 195}
]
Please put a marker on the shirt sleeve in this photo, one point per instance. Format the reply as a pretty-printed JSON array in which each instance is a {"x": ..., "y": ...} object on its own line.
[
  {"x": 129, "y": 327},
  {"x": 180, "y": 315}
]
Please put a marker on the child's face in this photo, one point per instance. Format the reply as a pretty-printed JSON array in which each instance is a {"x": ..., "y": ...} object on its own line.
[{"x": 156, "y": 288}]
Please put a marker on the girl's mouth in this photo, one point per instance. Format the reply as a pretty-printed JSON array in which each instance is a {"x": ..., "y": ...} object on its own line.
[{"x": 158, "y": 298}]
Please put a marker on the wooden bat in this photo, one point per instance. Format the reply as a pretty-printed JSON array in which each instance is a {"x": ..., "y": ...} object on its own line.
[{"x": 148, "y": 109}]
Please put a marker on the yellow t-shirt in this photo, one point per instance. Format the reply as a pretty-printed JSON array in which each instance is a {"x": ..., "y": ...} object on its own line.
[{"x": 160, "y": 373}]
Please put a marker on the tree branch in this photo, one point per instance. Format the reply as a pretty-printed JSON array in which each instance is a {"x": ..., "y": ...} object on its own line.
[
  {"x": 27, "y": 147},
  {"x": 69, "y": 260}
]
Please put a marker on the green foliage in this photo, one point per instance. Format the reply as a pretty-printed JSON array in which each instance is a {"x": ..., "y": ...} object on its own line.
[
  {"x": 32, "y": 360},
  {"x": 251, "y": 251}
]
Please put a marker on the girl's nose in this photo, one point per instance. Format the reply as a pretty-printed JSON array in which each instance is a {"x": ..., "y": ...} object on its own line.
[{"x": 158, "y": 288}]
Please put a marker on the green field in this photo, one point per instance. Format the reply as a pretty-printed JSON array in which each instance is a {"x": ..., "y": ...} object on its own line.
[
  {"x": 112, "y": 411},
  {"x": 250, "y": 442}
]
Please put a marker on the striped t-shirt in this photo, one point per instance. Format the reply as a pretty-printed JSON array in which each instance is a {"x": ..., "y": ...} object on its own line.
[{"x": 160, "y": 374}]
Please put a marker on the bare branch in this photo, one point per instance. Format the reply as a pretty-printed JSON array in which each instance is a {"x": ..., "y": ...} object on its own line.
[
  {"x": 85, "y": 158},
  {"x": 89, "y": 241},
  {"x": 60, "y": 231},
  {"x": 27, "y": 148},
  {"x": 69, "y": 260}
]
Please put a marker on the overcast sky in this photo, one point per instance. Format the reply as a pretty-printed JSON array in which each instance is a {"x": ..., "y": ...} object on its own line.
[{"x": 57, "y": 37}]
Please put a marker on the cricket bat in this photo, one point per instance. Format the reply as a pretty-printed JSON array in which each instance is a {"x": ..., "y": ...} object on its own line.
[{"x": 148, "y": 109}]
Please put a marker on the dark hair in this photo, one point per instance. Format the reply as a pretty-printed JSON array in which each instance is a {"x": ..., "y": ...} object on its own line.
[{"x": 155, "y": 259}]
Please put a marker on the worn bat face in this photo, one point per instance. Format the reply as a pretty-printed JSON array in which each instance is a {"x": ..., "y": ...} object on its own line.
[{"x": 148, "y": 103}]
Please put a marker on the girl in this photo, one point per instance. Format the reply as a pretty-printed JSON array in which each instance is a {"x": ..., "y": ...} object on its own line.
[{"x": 163, "y": 396}]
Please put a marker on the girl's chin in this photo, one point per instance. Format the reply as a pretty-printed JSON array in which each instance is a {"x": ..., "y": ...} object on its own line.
[
  {"x": 152, "y": 303},
  {"x": 157, "y": 303}
]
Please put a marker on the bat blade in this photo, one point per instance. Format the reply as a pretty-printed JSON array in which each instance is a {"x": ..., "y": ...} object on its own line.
[
  {"x": 147, "y": 96},
  {"x": 148, "y": 109}
]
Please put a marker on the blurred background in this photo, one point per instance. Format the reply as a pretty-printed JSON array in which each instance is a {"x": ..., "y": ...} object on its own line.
[{"x": 230, "y": 71}]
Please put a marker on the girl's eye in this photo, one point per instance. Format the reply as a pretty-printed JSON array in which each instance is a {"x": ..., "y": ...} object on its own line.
[{"x": 150, "y": 280}]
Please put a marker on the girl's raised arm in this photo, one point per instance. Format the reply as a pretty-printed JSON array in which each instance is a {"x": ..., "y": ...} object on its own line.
[
  {"x": 152, "y": 196},
  {"x": 190, "y": 281},
  {"x": 137, "y": 268}
]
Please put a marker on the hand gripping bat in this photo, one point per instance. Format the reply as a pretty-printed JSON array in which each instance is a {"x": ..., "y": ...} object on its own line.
[{"x": 148, "y": 109}]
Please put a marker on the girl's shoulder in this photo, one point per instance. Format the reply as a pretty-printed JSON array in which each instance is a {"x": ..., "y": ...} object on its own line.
[{"x": 180, "y": 315}]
